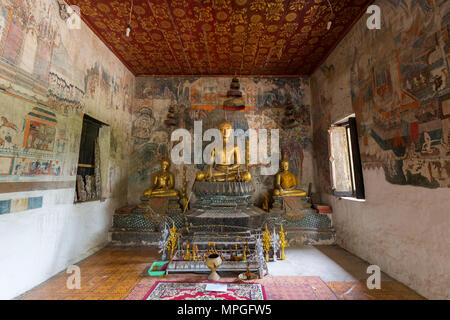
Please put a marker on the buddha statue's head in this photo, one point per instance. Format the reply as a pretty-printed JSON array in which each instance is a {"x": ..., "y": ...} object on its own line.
[
  {"x": 285, "y": 165},
  {"x": 225, "y": 129},
  {"x": 165, "y": 165}
]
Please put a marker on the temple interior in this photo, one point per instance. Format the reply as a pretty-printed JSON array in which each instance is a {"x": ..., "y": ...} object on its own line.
[{"x": 224, "y": 149}]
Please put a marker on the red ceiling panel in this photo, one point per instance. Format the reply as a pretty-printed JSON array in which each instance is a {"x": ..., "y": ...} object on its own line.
[{"x": 221, "y": 37}]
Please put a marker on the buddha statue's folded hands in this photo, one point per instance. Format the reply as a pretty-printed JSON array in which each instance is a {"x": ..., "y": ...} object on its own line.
[{"x": 225, "y": 166}]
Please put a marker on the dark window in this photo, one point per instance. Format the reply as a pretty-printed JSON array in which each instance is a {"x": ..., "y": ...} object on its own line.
[
  {"x": 346, "y": 169},
  {"x": 88, "y": 175}
]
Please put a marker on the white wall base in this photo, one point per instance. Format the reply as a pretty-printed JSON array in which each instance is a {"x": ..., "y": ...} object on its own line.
[
  {"x": 402, "y": 229},
  {"x": 37, "y": 244}
]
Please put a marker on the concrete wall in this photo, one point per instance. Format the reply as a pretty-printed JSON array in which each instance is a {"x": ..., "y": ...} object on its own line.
[
  {"x": 396, "y": 81},
  {"x": 50, "y": 76}
]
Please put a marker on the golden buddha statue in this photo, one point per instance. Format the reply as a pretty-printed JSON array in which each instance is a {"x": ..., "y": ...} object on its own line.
[
  {"x": 163, "y": 184},
  {"x": 229, "y": 167},
  {"x": 286, "y": 182}
]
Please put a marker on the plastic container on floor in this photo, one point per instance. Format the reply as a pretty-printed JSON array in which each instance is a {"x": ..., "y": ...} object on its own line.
[{"x": 158, "y": 268}]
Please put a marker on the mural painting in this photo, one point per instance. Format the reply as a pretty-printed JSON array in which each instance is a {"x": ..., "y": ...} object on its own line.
[
  {"x": 399, "y": 92},
  {"x": 201, "y": 99},
  {"x": 40, "y": 130},
  {"x": 7, "y": 131},
  {"x": 18, "y": 205},
  {"x": 47, "y": 86}
]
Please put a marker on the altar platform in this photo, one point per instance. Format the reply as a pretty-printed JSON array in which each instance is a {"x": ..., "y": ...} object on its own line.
[{"x": 131, "y": 229}]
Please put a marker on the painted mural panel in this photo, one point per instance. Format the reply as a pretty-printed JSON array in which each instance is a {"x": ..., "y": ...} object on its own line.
[
  {"x": 51, "y": 75},
  {"x": 40, "y": 130},
  {"x": 266, "y": 103},
  {"x": 13, "y": 42},
  {"x": 399, "y": 88}
]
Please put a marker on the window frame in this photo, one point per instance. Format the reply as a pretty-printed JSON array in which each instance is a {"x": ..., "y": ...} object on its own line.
[
  {"x": 354, "y": 161},
  {"x": 84, "y": 169}
]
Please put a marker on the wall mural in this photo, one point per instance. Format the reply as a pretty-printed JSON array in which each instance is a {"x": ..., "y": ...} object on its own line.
[
  {"x": 200, "y": 99},
  {"x": 399, "y": 85},
  {"x": 52, "y": 76}
]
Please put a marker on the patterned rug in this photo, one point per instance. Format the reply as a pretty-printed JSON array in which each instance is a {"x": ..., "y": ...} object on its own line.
[
  {"x": 275, "y": 288},
  {"x": 163, "y": 290}
]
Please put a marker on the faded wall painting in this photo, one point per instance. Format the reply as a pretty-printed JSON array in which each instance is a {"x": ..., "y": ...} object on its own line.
[
  {"x": 190, "y": 99},
  {"x": 398, "y": 82},
  {"x": 50, "y": 76}
]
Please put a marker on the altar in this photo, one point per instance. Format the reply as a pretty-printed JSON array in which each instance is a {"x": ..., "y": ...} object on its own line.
[
  {"x": 218, "y": 216},
  {"x": 222, "y": 220}
]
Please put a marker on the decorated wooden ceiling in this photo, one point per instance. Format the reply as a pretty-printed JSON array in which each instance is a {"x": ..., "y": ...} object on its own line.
[{"x": 221, "y": 37}]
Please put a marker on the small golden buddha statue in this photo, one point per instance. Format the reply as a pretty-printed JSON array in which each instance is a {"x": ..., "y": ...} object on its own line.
[
  {"x": 229, "y": 167},
  {"x": 286, "y": 183},
  {"x": 163, "y": 184}
]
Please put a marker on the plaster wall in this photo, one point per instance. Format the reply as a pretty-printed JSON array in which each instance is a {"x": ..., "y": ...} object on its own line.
[
  {"x": 37, "y": 244},
  {"x": 50, "y": 76},
  {"x": 391, "y": 78},
  {"x": 403, "y": 230}
]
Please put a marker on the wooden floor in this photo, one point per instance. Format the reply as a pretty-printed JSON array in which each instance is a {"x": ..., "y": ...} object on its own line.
[{"x": 111, "y": 274}]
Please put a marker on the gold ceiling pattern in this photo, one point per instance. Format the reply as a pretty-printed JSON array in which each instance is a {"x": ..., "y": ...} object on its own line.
[{"x": 221, "y": 37}]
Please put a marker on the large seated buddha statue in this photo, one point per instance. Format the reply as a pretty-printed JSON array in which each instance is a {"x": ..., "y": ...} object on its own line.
[
  {"x": 228, "y": 167},
  {"x": 223, "y": 191},
  {"x": 286, "y": 183},
  {"x": 163, "y": 184}
]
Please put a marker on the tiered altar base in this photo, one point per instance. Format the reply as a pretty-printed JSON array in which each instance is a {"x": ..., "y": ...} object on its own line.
[
  {"x": 222, "y": 208},
  {"x": 225, "y": 240},
  {"x": 141, "y": 225},
  {"x": 225, "y": 204},
  {"x": 304, "y": 225},
  {"x": 222, "y": 215}
]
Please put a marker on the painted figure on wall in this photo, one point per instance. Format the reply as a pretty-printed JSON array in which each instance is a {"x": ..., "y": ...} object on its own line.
[
  {"x": 41, "y": 109},
  {"x": 143, "y": 124},
  {"x": 8, "y": 131},
  {"x": 40, "y": 130},
  {"x": 399, "y": 92}
]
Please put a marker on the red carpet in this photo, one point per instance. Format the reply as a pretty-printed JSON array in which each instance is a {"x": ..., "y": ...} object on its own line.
[
  {"x": 167, "y": 290},
  {"x": 275, "y": 288}
]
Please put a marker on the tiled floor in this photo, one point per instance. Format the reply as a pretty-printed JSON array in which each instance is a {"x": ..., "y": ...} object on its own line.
[{"x": 111, "y": 274}]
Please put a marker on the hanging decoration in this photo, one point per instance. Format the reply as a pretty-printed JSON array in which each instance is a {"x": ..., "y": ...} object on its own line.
[
  {"x": 330, "y": 20},
  {"x": 129, "y": 22}
]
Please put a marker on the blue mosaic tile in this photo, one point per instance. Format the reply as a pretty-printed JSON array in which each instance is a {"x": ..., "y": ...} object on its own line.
[
  {"x": 35, "y": 203},
  {"x": 312, "y": 220},
  {"x": 5, "y": 206},
  {"x": 140, "y": 222}
]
